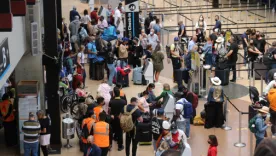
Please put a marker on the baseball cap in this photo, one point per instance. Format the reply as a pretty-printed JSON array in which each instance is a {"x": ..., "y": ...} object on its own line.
[
  {"x": 173, "y": 127},
  {"x": 160, "y": 111}
]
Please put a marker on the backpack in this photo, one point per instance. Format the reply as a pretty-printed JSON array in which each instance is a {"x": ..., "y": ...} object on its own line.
[
  {"x": 126, "y": 120},
  {"x": 85, "y": 132},
  {"x": 187, "y": 109},
  {"x": 251, "y": 125},
  {"x": 195, "y": 99}
]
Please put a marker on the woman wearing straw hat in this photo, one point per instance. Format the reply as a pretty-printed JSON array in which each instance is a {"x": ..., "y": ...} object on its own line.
[
  {"x": 260, "y": 124},
  {"x": 214, "y": 108}
]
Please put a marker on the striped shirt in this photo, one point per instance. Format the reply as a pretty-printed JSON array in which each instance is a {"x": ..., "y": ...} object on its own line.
[{"x": 31, "y": 130}]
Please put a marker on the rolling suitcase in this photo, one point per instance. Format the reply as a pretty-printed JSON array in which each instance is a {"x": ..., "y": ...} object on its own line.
[
  {"x": 137, "y": 75},
  {"x": 99, "y": 71},
  {"x": 122, "y": 79},
  {"x": 223, "y": 75},
  {"x": 260, "y": 69},
  {"x": 177, "y": 75},
  {"x": 143, "y": 131}
]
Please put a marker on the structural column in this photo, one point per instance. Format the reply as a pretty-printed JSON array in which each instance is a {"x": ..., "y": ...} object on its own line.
[
  {"x": 59, "y": 16},
  {"x": 52, "y": 70}
]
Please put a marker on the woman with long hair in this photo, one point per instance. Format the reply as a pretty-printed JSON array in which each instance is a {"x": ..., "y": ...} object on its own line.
[
  {"x": 212, "y": 140},
  {"x": 201, "y": 28}
]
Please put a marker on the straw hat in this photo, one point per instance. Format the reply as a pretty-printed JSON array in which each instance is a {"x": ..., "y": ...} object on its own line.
[
  {"x": 216, "y": 81},
  {"x": 219, "y": 40},
  {"x": 264, "y": 109}
]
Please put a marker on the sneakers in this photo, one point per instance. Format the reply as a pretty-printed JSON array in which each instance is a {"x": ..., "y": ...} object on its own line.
[
  {"x": 121, "y": 148},
  {"x": 233, "y": 80},
  {"x": 188, "y": 138}
]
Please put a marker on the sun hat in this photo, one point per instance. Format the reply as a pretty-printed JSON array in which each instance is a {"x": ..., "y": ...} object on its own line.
[
  {"x": 219, "y": 40},
  {"x": 216, "y": 81},
  {"x": 264, "y": 109}
]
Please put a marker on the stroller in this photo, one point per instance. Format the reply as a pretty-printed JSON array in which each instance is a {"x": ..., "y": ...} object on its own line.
[{"x": 257, "y": 100}]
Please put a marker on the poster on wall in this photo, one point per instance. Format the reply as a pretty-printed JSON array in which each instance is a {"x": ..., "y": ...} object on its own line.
[
  {"x": 132, "y": 18},
  {"x": 4, "y": 57}
]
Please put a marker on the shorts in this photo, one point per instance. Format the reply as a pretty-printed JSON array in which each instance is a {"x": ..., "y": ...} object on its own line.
[{"x": 45, "y": 139}]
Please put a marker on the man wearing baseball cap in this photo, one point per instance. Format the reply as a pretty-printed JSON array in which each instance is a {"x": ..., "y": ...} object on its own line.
[{"x": 156, "y": 126}]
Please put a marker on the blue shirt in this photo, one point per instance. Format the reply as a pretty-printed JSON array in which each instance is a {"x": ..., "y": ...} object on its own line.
[
  {"x": 92, "y": 47},
  {"x": 244, "y": 36},
  {"x": 94, "y": 150},
  {"x": 191, "y": 45},
  {"x": 260, "y": 126},
  {"x": 207, "y": 48},
  {"x": 218, "y": 25}
]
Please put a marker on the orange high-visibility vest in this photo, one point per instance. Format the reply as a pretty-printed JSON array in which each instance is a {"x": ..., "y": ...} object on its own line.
[
  {"x": 89, "y": 122},
  {"x": 4, "y": 109},
  {"x": 97, "y": 111},
  {"x": 101, "y": 134}
]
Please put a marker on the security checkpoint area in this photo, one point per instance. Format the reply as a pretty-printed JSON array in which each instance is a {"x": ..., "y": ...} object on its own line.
[{"x": 229, "y": 97}]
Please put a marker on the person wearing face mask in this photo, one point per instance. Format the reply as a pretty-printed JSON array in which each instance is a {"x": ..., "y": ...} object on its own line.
[
  {"x": 138, "y": 52},
  {"x": 153, "y": 39},
  {"x": 212, "y": 151},
  {"x": 156, "y": 126},
  {"x": 177, "y": 135},
  {"x": 201, "y": 26},
  {"x": 253, "y": 54},
  {"x": 123, "y": 52},
  {"x": 97, "y": 110},
  {"x": 272, "y": 105},
  {"x": 143, "y": 39},
  {"x": 92, "y": 54},
  {"x": 175, "y": 54},
  {"x": 144, "y": 103},
  {"x": 260, "y": 43},
  {"x": 218, "y": 23},
  {"x": 260, "y": 125},
  {"x": 232, "y": 57},
  {"x": 147, "y": 22}
]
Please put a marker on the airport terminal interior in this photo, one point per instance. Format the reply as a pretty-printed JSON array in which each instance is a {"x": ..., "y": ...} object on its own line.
[{"x": 236, "y": 16}]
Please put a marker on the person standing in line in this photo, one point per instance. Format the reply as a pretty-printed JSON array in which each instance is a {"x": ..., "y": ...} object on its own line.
[
  {"x": 207, "y": 52},
  {"x": 8, "y": 118},
  {"x": 260, "y": 42},
  {"x": 143, "y": 102},
  {"x": 118, "y": 21},
  {"x": 157, "y": 28},
  {"x": 272, "y": 108},
  {"x": 181, "y": 30},
  {"x": 192, "y": 43},
  {"x": 45, "y": 133},
  {"x": 103, "y": 23},
  {"x": 253, "y": 54},
  {"x": 157, "y": 59},
  {"x": 31, "y": 130},
  {"x": 147, "y": 22},
  {"x": 89, "y": 121},
  {"x": 110, "y": 63},
  {"x": 136, "y": 117},
  {"x": 73, "y": 14},
  {"x": 266, "y": 148},
  {"x": 245, "y": 43},
  {"x": 99, "y": 108},
  {"x": 116, "y": 105},
  {"x": 212, "y": 151},
  {"x": 156, "y": 127},
  {"x": 100, "y": 131},
  {"x": 123, "y": 52},
  {"x": 232, "y": 57},
  {"x": 153, "y": 39},
  {"x": 218, "y": 23},
  {"x": 175, "y": 54},
  {"x": 152, "y": 23},
  {"x": 214, "y": 109},
  {"x": 85, "y": 19},
  {"x": 80, "y": 63},
  {"x": 92, "y": 54},
  {"x": 94, "y": 15},
  {"x": 260, "y": 124}
]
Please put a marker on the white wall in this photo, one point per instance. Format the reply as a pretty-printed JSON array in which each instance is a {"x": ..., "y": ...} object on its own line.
[{"x": 17, "y": 44}]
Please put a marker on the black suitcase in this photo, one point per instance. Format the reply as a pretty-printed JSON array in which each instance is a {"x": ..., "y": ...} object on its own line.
[
  {"x": 262, "y": 71},
  {"x": 143, "y": 132},
  {"x": 223, "y": 75},
  {"x": 99, "y": 71},
  {"x": 124, "y": 80}
]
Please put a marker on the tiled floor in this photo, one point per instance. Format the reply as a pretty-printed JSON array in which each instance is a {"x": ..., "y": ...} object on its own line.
[{"x": 199, "y": 135}]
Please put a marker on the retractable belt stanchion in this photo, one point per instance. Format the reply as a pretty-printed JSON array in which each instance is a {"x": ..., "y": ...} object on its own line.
[
  {"x": 262, "y": 84},
  {"x": 208, "y": 76},
  {"x": 201, "y": 78},
  {"x": 226, "y": 127},
  {"x": 240, "y": 144},
  {"x": 254, "y": 76},
  {"x": 239, "y": 67},
  {"x": 250, "y": 73}
]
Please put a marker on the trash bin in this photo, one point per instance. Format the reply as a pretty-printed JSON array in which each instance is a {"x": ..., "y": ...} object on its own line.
[{"x": 68, "y": 129}]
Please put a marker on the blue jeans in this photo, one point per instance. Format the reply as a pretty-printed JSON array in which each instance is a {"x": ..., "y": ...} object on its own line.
[
  {"x": 258, "y": 140},
  {"x": 154, "y": 145},
  {"x": 112, "y": 72},
  {"x": 181, "y": 125},
  {"x": 187, "y": 127},
  {"x": 31, "y": 147}
]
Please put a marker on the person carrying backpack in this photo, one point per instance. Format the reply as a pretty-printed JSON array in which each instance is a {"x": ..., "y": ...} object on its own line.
[
  {"x": 128, "y": 121},
  {"x": 86, "y": 125},
  {"x": 183, "y": 115},
  {"x": 258, "y": 126}
]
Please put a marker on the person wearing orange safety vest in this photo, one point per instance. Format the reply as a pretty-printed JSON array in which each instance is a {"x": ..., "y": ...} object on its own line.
[
  {"x": 101, "y": 132},
  {"x": 8, "y": 119},
  {"x": 98, "y": 109},
  {"x": 89, "y": 121}
]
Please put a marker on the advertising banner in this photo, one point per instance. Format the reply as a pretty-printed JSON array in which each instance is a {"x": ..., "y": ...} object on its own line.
[
  {"x": 132, "y": 18},
  {"x": 4, "y": 57}
]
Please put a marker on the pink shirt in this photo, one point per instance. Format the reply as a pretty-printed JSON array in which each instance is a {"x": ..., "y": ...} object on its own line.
[
  {"x": 145, "y": 104},
  {"x": 103, "y": 24},
  {"x": 80, "y": 92}
]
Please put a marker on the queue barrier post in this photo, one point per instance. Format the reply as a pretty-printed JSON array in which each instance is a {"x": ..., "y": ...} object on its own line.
[
  {"x": 208, "y": 76},
  {"x": 262, "y": 84},
  {"x": 201, "y": 78},
  {"x": 240, "y": 144},
  {"x": 239, "y": 67},
  {"x": 254, "y": 77},
  {"x": 226, "y": 127}
]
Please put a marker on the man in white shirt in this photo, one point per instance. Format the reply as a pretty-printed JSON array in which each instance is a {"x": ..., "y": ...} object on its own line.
[
  {"x": 153, "y": 39},
  {"x": 152, "y": 23},
  {"x": 118, "y": 21}
]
